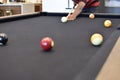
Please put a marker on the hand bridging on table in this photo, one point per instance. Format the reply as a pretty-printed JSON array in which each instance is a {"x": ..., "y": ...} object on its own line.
[{"x": 71, "y": 17}]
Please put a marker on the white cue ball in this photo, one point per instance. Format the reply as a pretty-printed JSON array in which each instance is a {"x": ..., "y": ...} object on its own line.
[{"x": 64, "y": 19}]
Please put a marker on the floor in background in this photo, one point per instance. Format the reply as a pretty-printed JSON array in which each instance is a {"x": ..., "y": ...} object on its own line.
[{"x": 64, "y": 6}]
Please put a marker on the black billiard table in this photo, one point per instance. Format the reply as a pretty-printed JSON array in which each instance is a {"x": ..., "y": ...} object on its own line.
[{"x": 73, "y": 57}]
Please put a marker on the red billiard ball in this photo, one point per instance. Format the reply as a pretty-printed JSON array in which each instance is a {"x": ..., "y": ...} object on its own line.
[{"x": 47, "y": 43}]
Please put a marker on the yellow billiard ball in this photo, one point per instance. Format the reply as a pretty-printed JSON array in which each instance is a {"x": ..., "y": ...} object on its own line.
[
  {"x": 96, "y": 39},
  {"x": 91, "y": 16},
  {"x": 107, "y": 23}
]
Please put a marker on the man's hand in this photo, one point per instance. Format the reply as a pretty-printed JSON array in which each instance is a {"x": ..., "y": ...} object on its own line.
[
  {"x": 77, "y": 11},
  {"x": 71, "y": 17}
]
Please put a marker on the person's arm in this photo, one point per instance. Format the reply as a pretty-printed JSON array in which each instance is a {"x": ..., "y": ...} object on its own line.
[{"x": 77, "y": 11}]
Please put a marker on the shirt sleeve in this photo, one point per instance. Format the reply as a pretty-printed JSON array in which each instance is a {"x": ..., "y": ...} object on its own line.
[
  {"x": 83, "y": 1},
  {"x": 76, "y": 1}
]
